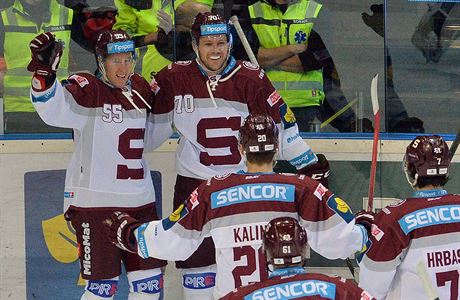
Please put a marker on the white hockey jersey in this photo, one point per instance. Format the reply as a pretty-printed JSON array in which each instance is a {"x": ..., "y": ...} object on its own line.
[
  {"x": 234, "y": 209},
  {"x": 207, "y": 112},
  {"x": 423, "y": 229},
  {"x": 107, "y": 168}
]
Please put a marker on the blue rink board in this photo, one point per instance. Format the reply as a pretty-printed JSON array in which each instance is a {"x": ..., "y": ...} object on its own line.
[{"x": 47, "y": 278}]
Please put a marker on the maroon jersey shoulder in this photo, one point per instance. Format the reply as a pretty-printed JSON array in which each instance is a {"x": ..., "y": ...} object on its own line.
[
  {"x": 312, "y": 285},
  {"x": 413, "y": 218}
]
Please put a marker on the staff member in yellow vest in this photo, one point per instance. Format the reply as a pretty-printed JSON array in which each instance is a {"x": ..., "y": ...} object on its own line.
[
  {"x": 298, "y": 63},
  {"x": 149, "y": 22},
  {"x": 19, "y": 24}
]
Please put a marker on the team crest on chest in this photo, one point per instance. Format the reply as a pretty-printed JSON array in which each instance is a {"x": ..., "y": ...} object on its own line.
[{"x": 250, "y": 65}]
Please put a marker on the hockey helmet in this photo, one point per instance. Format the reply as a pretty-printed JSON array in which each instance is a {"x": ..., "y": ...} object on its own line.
[
  {"x": 209, "y": 23},
  {"x": 285, "y": 243},
  {"x": 112, "y": 42},
  {"x": 259, "y": 133},
  {"x": 426, "y": 156}
]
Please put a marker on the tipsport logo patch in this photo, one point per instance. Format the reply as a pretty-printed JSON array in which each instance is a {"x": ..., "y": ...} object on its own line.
[
  {"x": 199, "y": 281},
  {"x": 295, "y": 290},
  {"x": 151, "y": 285},
  {"x": 141, "y": 242},
  {"x": 120, "y": 47},
  {"x": 430, "y": 216},
  {"x": 341, "y": 208},
  {"x": 251, "y": 193},
  {"x": 102, "y": 288},
  {"x": 212, "y": 29}
]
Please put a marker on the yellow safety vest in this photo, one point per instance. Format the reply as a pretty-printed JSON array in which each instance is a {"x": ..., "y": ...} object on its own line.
[
  {"x": 142, "y": 22},
  {"x": 19, "y": 31},
  {"x": 275, "y": 29}
]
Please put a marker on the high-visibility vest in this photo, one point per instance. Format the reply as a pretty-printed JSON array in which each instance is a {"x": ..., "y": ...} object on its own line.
[
  {"x": 19, "y": 31},
  {"x": 142, "y": 22},
  {"x": 275, "y": 29}
]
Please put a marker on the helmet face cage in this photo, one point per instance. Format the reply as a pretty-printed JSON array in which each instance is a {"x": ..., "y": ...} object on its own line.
[
  {"x": 259, "y": 133},
  {"x": 285, "y": 243},
  {"x": 111, "y": 42},
  {"x": 426, "y": 156}
]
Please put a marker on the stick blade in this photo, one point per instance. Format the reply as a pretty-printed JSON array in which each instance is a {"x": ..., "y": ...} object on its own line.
[{"x": 374, "y": 94}]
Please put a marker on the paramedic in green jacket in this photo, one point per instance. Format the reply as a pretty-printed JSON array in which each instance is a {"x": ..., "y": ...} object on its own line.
[{"x": 19, "y": 24}]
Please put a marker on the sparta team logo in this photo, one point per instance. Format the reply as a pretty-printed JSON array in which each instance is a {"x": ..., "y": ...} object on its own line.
[{"x": 250, "y": 65}]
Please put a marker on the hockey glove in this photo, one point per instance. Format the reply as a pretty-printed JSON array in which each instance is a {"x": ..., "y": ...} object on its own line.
[
  {"x": 121, "y": 228},
  {"x": 46, "y": 55},
  {"x": 319, "y": 171},
  {"x": 366, "y": 219}
]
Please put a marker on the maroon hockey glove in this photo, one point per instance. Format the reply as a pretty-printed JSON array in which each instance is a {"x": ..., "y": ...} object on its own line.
[
  {"x": 366, "y": 219},
  {"x": 46, "y": 55},
  {"x": 121, "y": 228},
  {"x": 319, "y": 171}
]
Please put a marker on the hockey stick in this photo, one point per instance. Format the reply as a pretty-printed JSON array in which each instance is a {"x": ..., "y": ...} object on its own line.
[
  {"x": 244, "y": 40},
  {"x": 375, "y": 108},
  {"x": 454, "y": 146},
  {"x": 427, "y": 284}
]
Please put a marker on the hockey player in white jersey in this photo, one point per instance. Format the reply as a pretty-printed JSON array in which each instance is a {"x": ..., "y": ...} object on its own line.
[
  {"x": 423, "y": 228},
  {"x": 108, "y": 170},
  {"x": 206, "y": 100},
  {"x": 233, "y": 210}
]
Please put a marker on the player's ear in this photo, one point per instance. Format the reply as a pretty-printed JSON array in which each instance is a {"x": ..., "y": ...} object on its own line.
[{"x": 240, "y": 148}]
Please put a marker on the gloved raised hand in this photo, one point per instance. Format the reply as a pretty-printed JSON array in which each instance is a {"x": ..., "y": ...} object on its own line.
[
  {"x": 46, "y": 55},
  {"x": 319, "y": 171},
  {"x": 366, "y": 219},
  {"x": 121, "y": 228},
  {"x": 165, "y": 20}
]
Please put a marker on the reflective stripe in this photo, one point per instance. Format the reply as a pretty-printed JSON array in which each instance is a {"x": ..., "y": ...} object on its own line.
[
  {"x": 258, "y": 11},
  {"x": 263, "y": 21},
  {"x": 311, "y": 10},
  {"x": 11, "y": 17},
  {"x": 297, "y": 85},
  {"x": 25, "y": 73},
  {"x": 16, "y": 91},
  {"x": 24, "y": 29}
]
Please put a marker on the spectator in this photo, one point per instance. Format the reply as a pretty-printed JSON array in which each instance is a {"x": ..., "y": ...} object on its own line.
[
  {"x": 423, "y": 229},
  {"x": 396, "y": 113},
  {"x": 234, "y": 208},
  {"x": 108, "y": 170},
  {"x": 285, "y": 246},
  {"x": 149, "y": 22},
  {"x": 19, "y": 24},
  {"x": 298, "y": 62}
]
